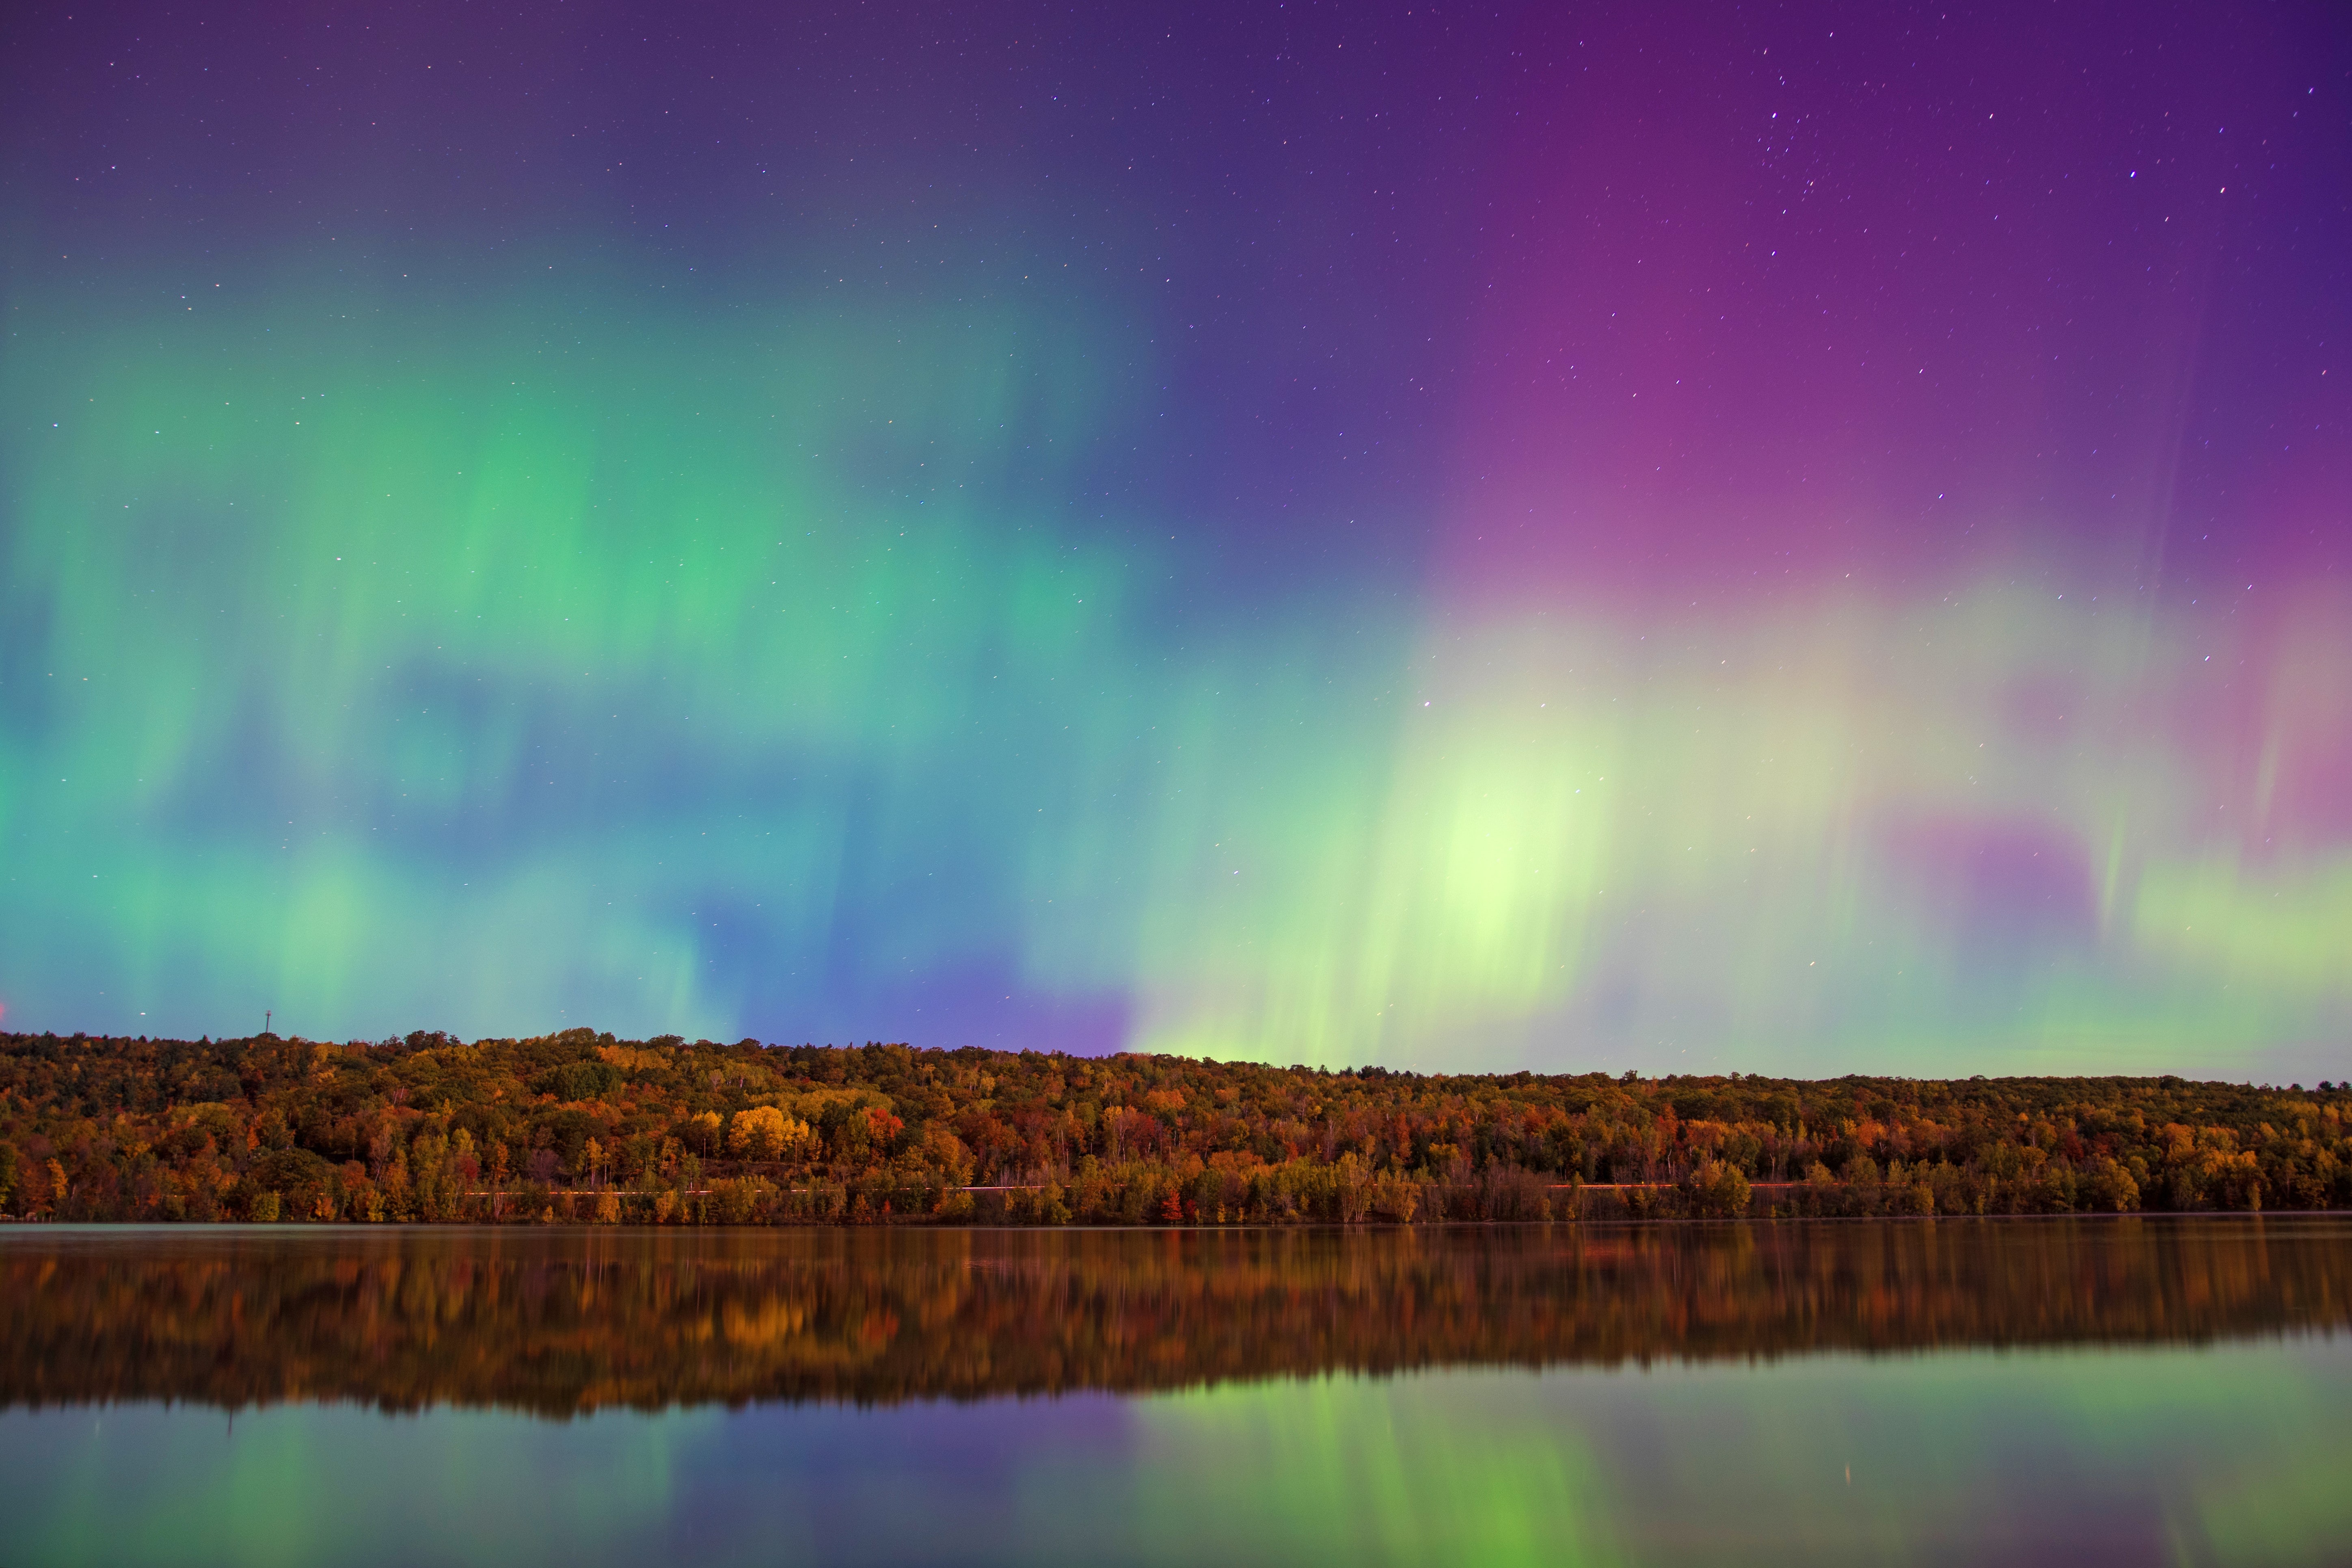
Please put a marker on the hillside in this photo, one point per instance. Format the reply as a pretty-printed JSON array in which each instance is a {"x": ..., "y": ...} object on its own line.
[{"x": 580, "y": 1126}]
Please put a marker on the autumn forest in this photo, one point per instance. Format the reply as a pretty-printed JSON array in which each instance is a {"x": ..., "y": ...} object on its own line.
[{"x": 582, "y": 1127}]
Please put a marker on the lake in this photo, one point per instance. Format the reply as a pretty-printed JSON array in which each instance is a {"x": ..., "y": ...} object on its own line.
[{"x": 2125, "y": 1391}]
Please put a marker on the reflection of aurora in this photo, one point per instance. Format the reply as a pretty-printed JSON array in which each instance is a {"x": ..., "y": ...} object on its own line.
[
  {"x": 2228, "y": 1454},
  {"x": 1651, "y": 1407},
  {"x": 561, "y": 1323},
  {"x": 749, "y": 683}
]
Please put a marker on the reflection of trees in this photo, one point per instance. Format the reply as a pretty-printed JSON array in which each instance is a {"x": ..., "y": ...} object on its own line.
[{"x": 563, "y": 1322}]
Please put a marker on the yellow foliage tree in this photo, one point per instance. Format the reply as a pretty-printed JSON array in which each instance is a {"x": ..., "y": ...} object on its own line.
[{"x": 764, "y": 1133}]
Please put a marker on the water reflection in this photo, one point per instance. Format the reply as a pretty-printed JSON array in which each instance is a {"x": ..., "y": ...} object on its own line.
[{"x": 562, "y": 1322}]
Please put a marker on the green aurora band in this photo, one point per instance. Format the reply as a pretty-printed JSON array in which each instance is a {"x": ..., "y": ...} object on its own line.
[{"x": 507, "y": 658}]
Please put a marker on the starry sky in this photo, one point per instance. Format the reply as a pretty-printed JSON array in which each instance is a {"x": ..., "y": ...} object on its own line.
[{"x": 1798, "y": 539}]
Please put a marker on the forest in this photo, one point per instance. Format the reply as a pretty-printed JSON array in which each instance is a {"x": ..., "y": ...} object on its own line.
[{"x": 580, "y": 1127}]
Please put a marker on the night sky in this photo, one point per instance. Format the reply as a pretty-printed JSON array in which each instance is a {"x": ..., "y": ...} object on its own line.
[{"x": 1794, "y": 538}]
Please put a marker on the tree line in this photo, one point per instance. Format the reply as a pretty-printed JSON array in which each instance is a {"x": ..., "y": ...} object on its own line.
[{"x": 582, "y": 1127}]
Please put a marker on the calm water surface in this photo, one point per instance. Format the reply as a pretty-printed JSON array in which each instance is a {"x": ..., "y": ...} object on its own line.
[{"x": 2079, "y": 1392}]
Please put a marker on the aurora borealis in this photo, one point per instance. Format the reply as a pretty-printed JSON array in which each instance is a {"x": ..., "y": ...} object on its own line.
[{"x": 1633, "y": 536}]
